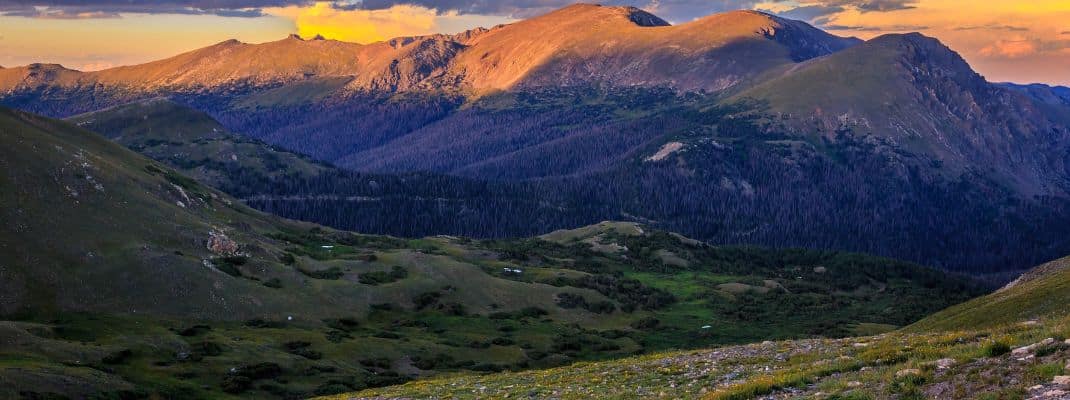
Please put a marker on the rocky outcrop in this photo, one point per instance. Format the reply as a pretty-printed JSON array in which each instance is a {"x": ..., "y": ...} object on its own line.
[{"x": 222, "y": 245}]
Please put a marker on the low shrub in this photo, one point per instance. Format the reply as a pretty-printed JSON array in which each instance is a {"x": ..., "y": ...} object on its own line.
[{"x": 995, "y": 349}]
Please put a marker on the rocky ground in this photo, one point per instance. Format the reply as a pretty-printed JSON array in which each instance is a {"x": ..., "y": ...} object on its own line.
[{"x": 1024, "y": 361}]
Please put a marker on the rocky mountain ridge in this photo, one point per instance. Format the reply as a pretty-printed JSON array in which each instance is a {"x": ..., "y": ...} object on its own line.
[{"x": 577, "y": 44}]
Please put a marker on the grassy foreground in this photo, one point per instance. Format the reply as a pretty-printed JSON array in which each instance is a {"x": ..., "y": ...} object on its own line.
[
  {"x": 959, "y": 364},
  {"x": 1010, "y": 344}
]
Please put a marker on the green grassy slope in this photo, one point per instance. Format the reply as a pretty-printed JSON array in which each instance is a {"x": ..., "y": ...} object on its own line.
[
  {"x": 195, "y": 144},
  {"x": 1011, "y": 344},
  {"x": 121, "y": 275},
  {"x": 969, "y": 364},
  {"x": 1043, "y": 292}
]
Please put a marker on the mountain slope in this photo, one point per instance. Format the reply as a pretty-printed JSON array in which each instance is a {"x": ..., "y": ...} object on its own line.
[
  {"x": 975, "y": 363},
  {"x": 580, "y": 44},
  {"x": 583, "y": 44},
  {"x": 912, "y": 92},
  {"x": 225, "y": 63},
  {"x": 291, "y": 185},
  {"x": 123, "y": 278},
  {"x": 197, "y": 145},
  {"x": 1040, "y": 293},
  {"x": 102, "y": 229}
]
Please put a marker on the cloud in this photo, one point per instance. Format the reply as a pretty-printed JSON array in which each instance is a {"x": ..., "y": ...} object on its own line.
[
  {"x": 882, "y": 28},
  {"x": 886, "y": 5},
  {"x": 1024, "y": 47},
  {"x": 672, "y": 10},
  {"x": 1010, "y": 48},
  {"x": 89, "y": 9},
  {"x": 809, "y": 13},
  {"x": 58, "y": 13},
  {"x": 360, "y": 25},
  {"x": 95, "y": 66},
  {"x": 992, "y": 27},
  {"x": 860, "y": 5}
]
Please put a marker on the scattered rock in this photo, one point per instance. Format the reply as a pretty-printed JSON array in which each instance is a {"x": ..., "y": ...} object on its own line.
[
  {"x": 220, "y": 244},
  {"x": 908, "y": 372},
  {"x": 945, "y": 363},
  {"x": 1054, "y": 393},
  {"x": 1061, "y": 380}
]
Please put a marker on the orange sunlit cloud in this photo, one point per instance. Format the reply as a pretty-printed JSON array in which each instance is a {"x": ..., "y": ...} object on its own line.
[
  {"x": 1004, "y": 40},
  {"x": 360, "y": 26},
  {"x": 366, "y": 26}
]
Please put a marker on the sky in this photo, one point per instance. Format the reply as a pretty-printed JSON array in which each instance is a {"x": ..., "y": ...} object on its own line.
[{"x": 1017, "y": 41}]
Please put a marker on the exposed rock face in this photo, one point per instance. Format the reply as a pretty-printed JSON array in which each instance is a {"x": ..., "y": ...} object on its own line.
[{"x": 219, "y": 244}]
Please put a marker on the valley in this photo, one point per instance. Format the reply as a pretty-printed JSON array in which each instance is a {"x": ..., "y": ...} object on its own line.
[{"x": 166, "y": 280}]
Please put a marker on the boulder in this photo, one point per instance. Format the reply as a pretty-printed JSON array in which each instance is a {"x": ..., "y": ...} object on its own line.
[{"x": 945, "y": 363}]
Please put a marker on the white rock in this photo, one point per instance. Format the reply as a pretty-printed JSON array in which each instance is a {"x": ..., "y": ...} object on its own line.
[
  {"x": 945, "y": 363},
  {"x": 1061, "y": 380},
  {"x": 1023, "y": 350},
  {"x": 907, "y": 372}
]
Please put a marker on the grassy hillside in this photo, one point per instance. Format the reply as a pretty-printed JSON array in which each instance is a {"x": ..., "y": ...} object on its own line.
[
  {"x": 1040, "y": 293},
  {"x": 196, "y": 145},
  {"x": 969, "y": 364},
  {"x": 1011, "y": 344},
  {"x": 124, "y": 278}
]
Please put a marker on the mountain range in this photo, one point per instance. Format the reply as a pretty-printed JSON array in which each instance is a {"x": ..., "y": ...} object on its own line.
[
  {"x": 740, "y": 127},
  {"x": 576, "y": 45}
]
